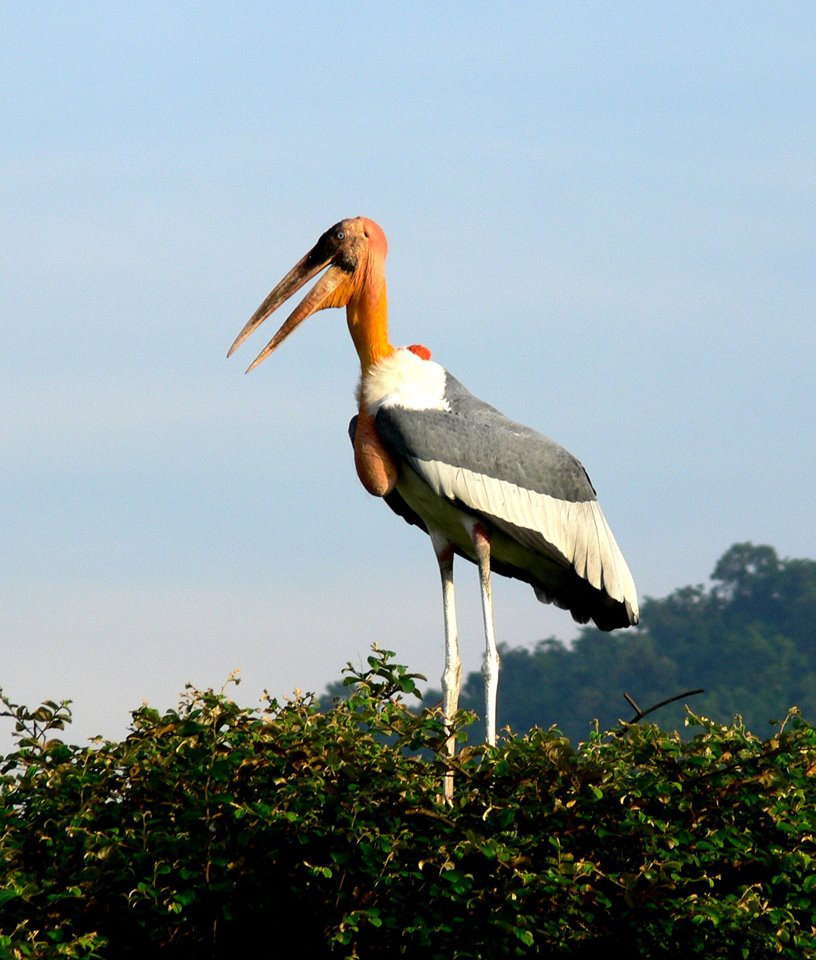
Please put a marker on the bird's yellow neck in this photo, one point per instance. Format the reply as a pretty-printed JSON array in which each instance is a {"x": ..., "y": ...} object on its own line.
[{"x": 367, "y": 316}]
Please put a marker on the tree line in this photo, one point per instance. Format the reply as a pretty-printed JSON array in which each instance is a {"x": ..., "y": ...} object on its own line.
[{"x": 748, "y": 640}]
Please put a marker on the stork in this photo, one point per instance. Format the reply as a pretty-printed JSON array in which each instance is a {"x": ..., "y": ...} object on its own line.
[{"x": 482, "y": 486}]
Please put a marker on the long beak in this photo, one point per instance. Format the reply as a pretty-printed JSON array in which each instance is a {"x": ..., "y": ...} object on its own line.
[{"x": 298, "y": 276}]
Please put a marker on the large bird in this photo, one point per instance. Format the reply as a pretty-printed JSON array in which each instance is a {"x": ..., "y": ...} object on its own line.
[{"x": 481, "y": 485}]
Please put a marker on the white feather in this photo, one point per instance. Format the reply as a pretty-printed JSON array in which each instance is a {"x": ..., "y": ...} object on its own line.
[
  {"x": 577, "y": 531},
  {"x": 403, "y": 379}
]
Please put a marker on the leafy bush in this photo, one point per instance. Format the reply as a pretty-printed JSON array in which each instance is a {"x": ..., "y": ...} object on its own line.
[{"x": 213, "y": 828}]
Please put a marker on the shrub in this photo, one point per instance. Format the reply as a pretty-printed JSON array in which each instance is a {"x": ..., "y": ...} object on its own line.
[{"x": 213, "y": 827}]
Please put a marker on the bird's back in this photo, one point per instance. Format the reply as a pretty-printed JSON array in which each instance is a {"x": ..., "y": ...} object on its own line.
[{"x": 461, "y": 458}]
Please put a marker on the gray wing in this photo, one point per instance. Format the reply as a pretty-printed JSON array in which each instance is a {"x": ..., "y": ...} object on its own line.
[
  {"x": 518, "y": 479},
  {"x": 477, "y": 437}
]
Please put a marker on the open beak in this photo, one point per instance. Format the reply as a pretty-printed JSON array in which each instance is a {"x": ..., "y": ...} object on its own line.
[{"x": 317, "y": 259}]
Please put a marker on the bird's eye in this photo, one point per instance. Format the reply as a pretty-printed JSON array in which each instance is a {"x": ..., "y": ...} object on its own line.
[{"x": 340, "y": 235}]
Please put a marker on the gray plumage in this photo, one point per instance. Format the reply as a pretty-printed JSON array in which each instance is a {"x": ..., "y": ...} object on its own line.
[
  {"x": 533, "y": 497},
  {"x": 478, "y": 437}
]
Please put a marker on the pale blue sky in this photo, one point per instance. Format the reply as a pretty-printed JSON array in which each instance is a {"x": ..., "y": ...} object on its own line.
[{"x": 601, "y": 217}]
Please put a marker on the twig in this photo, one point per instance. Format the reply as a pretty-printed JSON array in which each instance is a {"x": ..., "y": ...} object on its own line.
[{"x": 640, "y": 714}]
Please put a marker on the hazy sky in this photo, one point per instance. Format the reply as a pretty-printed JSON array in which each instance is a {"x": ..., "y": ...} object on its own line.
[{"x": 601, "y": 218}]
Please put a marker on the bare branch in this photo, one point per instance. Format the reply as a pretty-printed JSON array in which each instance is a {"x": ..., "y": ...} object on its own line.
[{"x": 640, "y": 714}]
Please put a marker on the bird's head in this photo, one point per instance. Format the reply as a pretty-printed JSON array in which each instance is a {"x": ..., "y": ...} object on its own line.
[{"x": 354, "y": 251}]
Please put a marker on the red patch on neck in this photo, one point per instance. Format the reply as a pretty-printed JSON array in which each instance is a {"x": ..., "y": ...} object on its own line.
[{"x": 422, "y": 352}]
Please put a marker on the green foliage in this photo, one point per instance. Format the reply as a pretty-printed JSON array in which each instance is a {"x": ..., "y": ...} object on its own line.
[
  {"x": 212, "y": 828},
  {"x": 748, "y": 640}
]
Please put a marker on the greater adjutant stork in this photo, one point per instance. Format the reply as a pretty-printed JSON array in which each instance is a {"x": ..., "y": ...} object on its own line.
[{"x": 481, "y": 485}]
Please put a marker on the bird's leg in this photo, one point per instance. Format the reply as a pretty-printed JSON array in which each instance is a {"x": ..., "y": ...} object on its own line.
[
  {"x": 490, "y": 666},
  {"x": 452, "y": 675}
]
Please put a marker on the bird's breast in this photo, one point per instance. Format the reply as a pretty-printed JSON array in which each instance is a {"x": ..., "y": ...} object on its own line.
[{"x": 405, "y": 378}]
